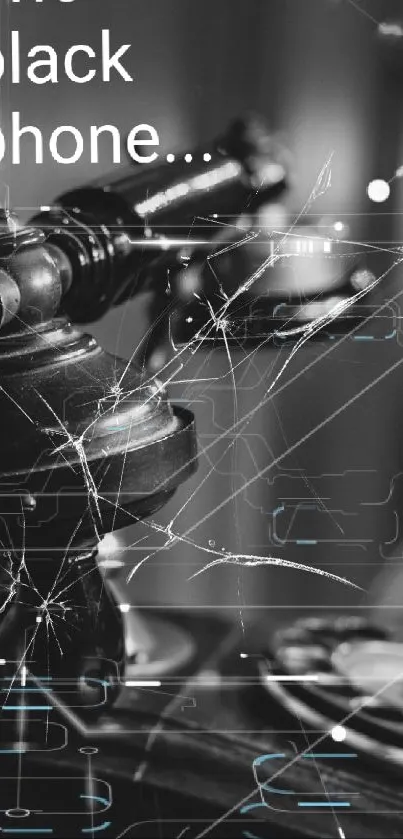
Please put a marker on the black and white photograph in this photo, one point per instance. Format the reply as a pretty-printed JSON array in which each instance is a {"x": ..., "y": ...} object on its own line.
[{"x": 201, "y": 419}]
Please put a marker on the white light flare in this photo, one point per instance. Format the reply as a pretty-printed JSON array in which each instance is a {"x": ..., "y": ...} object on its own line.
[
  {"x": 109, "y": 549},
  {"x": 339, "y": 733},
  {"x": 378, "y": 191},
  {"x": 308, "y": 677}
]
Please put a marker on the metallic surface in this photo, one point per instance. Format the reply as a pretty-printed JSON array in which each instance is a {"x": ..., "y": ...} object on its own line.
[{"x": 119, "y": 234}]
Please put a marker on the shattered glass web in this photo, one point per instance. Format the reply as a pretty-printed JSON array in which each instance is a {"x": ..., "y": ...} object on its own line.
[
  {"x": 216, "y": 324},
  {"x": 220, "y": 324}
]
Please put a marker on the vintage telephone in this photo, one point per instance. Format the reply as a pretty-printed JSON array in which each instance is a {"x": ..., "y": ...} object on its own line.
[
  {"x": 95, "y": 446},
  {"x": 90, "y": 444}
]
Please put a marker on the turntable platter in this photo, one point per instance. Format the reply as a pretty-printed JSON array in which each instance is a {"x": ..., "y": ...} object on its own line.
[
  {"x": 340, "y": 675},
  {"x": 373, "y": 668}
]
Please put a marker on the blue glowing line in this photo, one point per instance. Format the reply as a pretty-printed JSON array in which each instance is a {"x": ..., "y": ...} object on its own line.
[
  {"x": 364, "y": 338},
  {"x": 263, "y": 758},
  {"x": 100, "y": 827},
  {"x": 252, "y": 807},
  {"x": 27, "y": 830},
  {"x": 97, "y": 798},
  {"x": 307, "y": 541},
  {"x": 118, "y": 427},
  {"x": 27, "y": 707},
  {"x": 324, "y": 804}
]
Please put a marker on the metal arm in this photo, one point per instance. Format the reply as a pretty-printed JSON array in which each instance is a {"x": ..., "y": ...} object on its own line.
[{"x": 116, "y": 231}]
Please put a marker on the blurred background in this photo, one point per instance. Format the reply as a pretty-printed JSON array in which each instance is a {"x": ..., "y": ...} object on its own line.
[{"x": 327, "y": 81}]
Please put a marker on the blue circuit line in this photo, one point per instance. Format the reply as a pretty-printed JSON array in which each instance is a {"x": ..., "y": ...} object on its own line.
[
  {"x": 307, "y": 541},
  {"x": 27, "y": 707},
  {"x": 252, "y": 807},
  {"x": 363, "y": 338},
  {"x": 27, "y": 830},
  {"x": 262, "y": 758},
  {"x": 97, "y": 798},
  {"x": 324, "y": 804}
]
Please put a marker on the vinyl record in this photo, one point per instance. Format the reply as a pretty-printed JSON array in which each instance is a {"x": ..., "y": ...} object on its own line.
[{"x": 342, "y": 672}]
